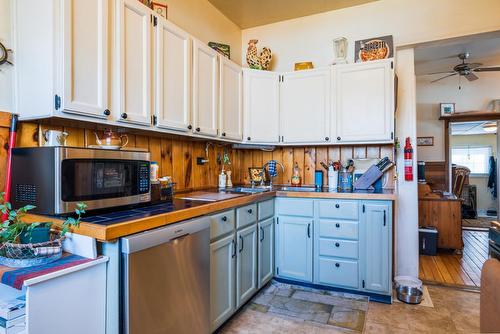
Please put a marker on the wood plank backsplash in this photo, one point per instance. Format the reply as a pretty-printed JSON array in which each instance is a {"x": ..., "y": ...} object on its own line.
[{"x": 176, "y": 155}]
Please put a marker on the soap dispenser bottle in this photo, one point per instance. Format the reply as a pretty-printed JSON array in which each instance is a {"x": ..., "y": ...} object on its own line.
[
  {"x": 222, "y": 179},
  {"x": 296, "y": 179}
]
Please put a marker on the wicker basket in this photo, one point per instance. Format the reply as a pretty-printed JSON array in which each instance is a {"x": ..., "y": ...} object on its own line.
[{"x": 26, "y": 255}]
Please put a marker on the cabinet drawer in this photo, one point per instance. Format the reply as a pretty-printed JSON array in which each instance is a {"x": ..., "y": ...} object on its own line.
[
  {"x": 338, "y": 229},
  {"x": 340, "y": 209},
  {"x": 266, "y": 209},
  {"x": 338, "y": 248},
  {"x": 296, "y": 207},
  {"x": 338, "y": 272},
  {"x": 221, "y": 223},
  {"x": 246, "y": 215}
]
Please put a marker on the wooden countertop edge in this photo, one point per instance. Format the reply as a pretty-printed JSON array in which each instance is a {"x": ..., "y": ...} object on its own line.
[{"x": 112, "y": 232}]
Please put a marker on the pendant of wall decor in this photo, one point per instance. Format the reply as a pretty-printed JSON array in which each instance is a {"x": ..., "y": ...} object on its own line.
[
  {"x": 256, "y": 61},
  {"x": 4, "y": 55}
]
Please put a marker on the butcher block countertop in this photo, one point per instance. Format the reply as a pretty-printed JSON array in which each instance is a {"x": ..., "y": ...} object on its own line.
[{"x": 113, "y": 225}]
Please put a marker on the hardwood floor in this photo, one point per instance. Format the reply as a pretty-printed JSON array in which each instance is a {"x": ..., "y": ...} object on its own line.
[{"x": 452, "y": 269}]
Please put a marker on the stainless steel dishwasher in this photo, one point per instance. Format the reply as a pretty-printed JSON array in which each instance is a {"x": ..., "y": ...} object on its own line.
[{"x": 166, "y": 279}]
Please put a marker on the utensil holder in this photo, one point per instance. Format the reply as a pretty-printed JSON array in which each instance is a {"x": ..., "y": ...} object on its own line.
[{"x": 333, "y": 180}]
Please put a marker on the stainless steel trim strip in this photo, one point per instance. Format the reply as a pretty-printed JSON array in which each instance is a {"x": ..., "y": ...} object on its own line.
[
  {"x": 148, "y": 239},
  {"x": 90, "y": 153},
  {"x": 66, "y": 207}
]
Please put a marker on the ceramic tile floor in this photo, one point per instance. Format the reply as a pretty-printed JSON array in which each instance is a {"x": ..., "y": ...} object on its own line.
[{"x": 305, "y": 311}]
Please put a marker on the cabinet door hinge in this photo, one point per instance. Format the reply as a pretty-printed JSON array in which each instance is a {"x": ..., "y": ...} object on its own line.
[
  {"x": 277, "y": 270},
  {"x": 392, "y": 65},
  {"x": 363, "y": 284},
  {"x": 392, "y": 135},
  {"x": 57, "y": 102},
  {"x": 363, "y": 208},
  {"x": 277, "y": 220},
  {"x": 155, "y": 21},
  {"x": 154, "y": 120}
]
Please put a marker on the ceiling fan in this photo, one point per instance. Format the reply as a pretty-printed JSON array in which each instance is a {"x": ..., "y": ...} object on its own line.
[{"x": 465, "y": 69}]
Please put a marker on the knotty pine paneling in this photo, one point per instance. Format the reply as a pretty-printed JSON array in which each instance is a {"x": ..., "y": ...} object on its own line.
[{"x": 177, "y": 155}]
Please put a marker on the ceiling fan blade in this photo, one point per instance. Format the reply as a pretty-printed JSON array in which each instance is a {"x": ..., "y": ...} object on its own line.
[
  {"x": 487, "y": 69},
  {"x": 446, "y": 76},
  {"x": 471, "y": 77},
  {"x": 443, "y": 72},
  {"x": 473, "y": 65}
]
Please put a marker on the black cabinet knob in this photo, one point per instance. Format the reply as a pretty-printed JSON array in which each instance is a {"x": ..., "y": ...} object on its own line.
[
  {"x": 337, "y": 206},
  {"x": 337, "y": 225},
  {"x": 107, "y": 112},
  {"x": 198, "y": 129},
  {"x": 338, "y": 138},
  {"x": 337, "y": 244},
  {"x": 327, "y": 138},
  {"x": 223, "y": 134},
  {"x": 190, "y": 126},
  {"x": 124, "y": 115},
  {"x": 224, "y": 218},
  {"x": 248, "y": 138},
  {"x": 337, "y": 265},
  {"x": 250, "y": 211}
]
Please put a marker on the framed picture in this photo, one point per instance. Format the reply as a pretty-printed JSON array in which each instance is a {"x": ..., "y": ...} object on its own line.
[
  {"x": 373, "y": 49},
  {"x": 159, "y": 8},
  {"x": 447, "y": 109},
  {"x": 223, "y": 49},
  {"x": 256, "y": 174},
  {"x": 425, "y": 141}
]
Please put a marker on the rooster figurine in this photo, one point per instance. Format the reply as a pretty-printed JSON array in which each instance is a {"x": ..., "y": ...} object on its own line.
[{"x": 255, "y": 61}]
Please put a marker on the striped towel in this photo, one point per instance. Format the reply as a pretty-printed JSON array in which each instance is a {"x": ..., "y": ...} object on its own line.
[
  {"x": 15, "y": 277},
  {"x": 272, "y": 168}
]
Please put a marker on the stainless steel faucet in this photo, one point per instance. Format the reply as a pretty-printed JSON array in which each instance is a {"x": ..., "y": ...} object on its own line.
[{"x": 270, "y": 177}]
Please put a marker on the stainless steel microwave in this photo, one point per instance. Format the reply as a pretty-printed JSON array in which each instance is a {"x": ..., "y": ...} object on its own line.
[{"x": 55, "y": 179}]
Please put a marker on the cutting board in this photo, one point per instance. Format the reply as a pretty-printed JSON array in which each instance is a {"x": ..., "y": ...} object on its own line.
[{"x": 208, "y": 196}]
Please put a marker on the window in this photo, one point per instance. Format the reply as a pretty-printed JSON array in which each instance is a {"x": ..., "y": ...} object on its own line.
[{"x": 476, "y": 158}]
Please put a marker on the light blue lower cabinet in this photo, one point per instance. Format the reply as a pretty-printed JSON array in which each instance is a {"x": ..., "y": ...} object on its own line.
[
  {"x": 222, "y": 280},
  {"x": 338, "y": 272},
  {"x": 246, "y": 264},
  {"x": 294, "y": 248},
  {"x": 375, "y": 246},
  {"x": 266, "y": 251}
]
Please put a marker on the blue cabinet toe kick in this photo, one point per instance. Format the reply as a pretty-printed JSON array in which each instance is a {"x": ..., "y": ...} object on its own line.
[{"x": 374, "y": 297}]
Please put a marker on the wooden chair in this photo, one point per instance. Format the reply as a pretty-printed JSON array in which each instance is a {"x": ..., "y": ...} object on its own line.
[{"x": 461, "y": 174}]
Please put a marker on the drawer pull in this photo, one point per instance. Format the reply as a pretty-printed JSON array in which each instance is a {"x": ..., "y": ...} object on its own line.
[
  {"x": 262, "y": 233},
  {"x": 337, "y": 225},
  {"x": 337, "y": 206},
  {"x": 337, "y": 264},
  {"x": 337, "y": 244},
  {"x": 250, "y": 211},
  {"x": 224, "y": 219}
]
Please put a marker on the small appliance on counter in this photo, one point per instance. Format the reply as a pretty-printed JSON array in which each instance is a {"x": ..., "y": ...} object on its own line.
[{"x": 55, "y": 179}]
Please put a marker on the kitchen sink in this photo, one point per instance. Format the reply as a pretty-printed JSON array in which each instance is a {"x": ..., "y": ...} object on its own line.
[{"x": 305, "y": 189}]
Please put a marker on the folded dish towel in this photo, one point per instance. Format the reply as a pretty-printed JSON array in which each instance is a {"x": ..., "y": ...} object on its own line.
[{"x": 272, "y": 168}]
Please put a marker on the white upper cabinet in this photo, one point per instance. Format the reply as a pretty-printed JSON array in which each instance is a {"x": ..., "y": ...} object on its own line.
[
  {"x": 172, "y": 71},
  {"x": 230, "y": 101},
  {"x": 363, "y": 102},
  {"x": 85, "y": 58},
  {"x": 261, "y": 106},
  {"x": 133, "y": 60},
  {"x": 305, "y": 106},
  {"x": 205, "y": 89}
]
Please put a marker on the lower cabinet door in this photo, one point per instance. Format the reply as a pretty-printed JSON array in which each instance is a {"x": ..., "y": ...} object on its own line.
[
  {"x": 266, "y": 251},
  {"x": 222, "y": 280},
  {"x": 294, "y": 248},
  {"x": 375, "y": 244},
  {"x": 246, "y": 264}
]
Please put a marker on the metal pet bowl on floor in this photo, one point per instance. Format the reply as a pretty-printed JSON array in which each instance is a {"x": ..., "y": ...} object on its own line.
[{"x": 409, "y": 295}]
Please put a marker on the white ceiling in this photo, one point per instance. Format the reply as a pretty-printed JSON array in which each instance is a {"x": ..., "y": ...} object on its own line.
[
  {"x": 468, "y": 128},
  {"x": 442, "y": 55},
  {"x": 252, "y": 13}
]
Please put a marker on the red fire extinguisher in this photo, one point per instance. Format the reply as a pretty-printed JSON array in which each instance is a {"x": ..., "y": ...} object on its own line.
[{"x": 408, "y": 160}]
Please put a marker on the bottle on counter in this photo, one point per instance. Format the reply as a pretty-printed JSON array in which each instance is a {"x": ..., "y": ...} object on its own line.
[
  {"x": 296, "y": 179},
  {"x": 222, "y": 179},
  {"x": 153, "y": 171},
  {"x": 229, "y": 182}
]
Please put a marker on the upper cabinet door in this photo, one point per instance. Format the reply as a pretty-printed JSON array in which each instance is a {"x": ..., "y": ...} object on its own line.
[
  {"x": 305, "y": 106},
  {"x": 85, "y": 58},
  {"x": 230, "y": 102},
  {"x": 133, "y": 59},
  {"x": 261, "y": 106},
  {"x": 364, "y": 102},
  {"x": 205, "y": 89},
  {"x": 172, "y": 71}
]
